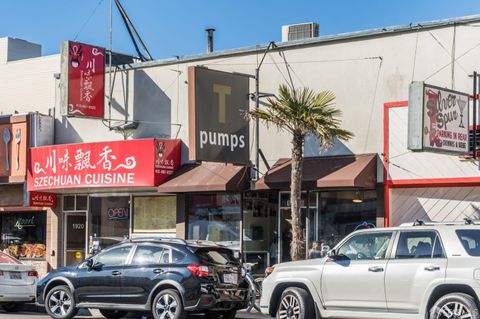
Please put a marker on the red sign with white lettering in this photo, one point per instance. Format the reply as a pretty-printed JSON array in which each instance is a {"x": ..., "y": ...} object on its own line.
[
  {"x": 134, "y": 163},
  {"x": 86, "y": 80},
  {"x": 38, "y": 199}
]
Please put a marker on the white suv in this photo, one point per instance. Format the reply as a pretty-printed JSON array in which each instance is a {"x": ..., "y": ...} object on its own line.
[{"x": 424, "y": 270}]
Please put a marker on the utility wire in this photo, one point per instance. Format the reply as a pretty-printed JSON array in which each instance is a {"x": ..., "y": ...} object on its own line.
[
  {"x": 88, "y": 20},
  {"x": 415, "y": 55},
  {"x": 446, "y": 50},
  {"x": 454, "y": 60}
]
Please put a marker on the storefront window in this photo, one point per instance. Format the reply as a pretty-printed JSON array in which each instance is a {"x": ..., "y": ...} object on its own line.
[
  {"x": 155, "y": 214},
  {"x": 260, "y": 230},
  {"x": 109, "y": 219},
  {"x": 23, "y": 235},
  {"x": 343, "y": 212},
  {"x": 215, "y": 217}
]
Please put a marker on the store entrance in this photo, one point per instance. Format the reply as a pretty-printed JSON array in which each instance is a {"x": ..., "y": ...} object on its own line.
[{"x": 74, "y": 238}]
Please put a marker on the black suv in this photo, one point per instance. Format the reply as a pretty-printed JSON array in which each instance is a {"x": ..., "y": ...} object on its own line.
[{"x": 166, "y": 277}]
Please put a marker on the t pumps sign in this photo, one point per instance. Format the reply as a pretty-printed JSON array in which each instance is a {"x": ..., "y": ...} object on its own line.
[
  {"x": 437, "y": 119},
  {"x": 218, "y": 128},
  {"x": 134, "y": 163},
  {"x": 83, "y": 79}
]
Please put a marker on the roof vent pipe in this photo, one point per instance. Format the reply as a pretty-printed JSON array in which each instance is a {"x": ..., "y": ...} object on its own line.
[{"x": 210, "y": 39}]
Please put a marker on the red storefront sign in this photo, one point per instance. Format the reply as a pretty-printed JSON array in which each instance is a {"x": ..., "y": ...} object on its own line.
[
  {"x": 38, "y": 199},
  {"x": 134, "y": 163},
  {"x": 86, "y": 80}
]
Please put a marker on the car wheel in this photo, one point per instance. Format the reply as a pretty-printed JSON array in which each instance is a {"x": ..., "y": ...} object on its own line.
[
  {"x": 168, "y": 305},
  {"x": 295, "y": 303},
  {"x": 12, "y": 306},
  {"x": 231, "y": 314},
  {"x": 60, "y": 304},
  {"x": 455, "y": 305},
  {"x": 113, "y": 314}
]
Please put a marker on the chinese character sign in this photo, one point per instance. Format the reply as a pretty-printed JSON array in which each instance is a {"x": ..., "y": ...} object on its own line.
[
  {"x": 86, "y": 80},
  {"x": 135, "y": 163},
  {"x": 38, "y": 199}
]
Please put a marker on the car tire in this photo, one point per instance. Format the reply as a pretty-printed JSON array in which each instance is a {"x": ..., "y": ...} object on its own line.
[
  {"x": 60, "y": 304},
  {"x": 165, "y": 301},
  {"x": 12, "y": 306},
  {"x": 113, "y": 314},
  {"x": 456, "y": 305},
  {"x": 230, "y": 314},
  {"x": 296, "y": 303}
]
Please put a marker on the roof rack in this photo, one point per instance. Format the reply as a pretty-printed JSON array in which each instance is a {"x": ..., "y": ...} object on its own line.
[
  {"x": 419, "y": 222},
  {"x": 156, "y": 239}
]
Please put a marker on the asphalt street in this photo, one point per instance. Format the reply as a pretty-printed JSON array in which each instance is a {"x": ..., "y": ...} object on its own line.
[{"x": 96, "y": 315}]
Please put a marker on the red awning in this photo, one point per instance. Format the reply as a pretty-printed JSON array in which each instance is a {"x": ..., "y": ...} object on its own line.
[{"x": 348, "y": 171}]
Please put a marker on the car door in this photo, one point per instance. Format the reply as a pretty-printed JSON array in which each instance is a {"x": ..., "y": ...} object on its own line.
[
  {"x": 418, "y": 263},
  {"x": 150, "y": 264},
  {"x": 354, "y": 278},
  {"x": 102, "y": 283}
]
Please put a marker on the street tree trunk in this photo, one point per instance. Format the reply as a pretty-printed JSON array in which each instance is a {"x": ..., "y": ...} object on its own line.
[{"x": 295, "y": 195}]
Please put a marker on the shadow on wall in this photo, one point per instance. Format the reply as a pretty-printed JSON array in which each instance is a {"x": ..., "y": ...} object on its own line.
[
  {"x": 152, "y": 108},
  {"x": 312, "y": 148},
  {"x": 65, "y": 133}
]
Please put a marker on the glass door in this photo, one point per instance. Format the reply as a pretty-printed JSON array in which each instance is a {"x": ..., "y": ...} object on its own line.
[
  {"x": 285, "y": 226},
  {"x": 74, "y": 238}
]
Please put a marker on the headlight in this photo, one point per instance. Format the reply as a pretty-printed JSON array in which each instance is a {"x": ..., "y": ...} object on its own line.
[{"x": 269, "y": 270}]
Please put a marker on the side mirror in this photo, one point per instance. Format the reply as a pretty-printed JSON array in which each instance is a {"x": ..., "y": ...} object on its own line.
[
  {"x": 89, "y": 263},
  {"x": 332, "y": 255}
]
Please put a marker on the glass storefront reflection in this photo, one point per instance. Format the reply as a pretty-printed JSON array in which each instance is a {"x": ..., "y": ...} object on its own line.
[{"x": 215, "y": 217}]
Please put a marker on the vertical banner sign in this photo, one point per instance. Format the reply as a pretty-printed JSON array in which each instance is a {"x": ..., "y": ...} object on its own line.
[
  {"x": 218, "y": 127},
  {"x": 86, "y": 80},
  {"x": 438, "y": 119}
]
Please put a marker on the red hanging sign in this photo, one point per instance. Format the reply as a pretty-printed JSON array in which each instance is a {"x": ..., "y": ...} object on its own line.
[
  {"x": 134, "y": 163},
  {"x": 38, "y": 199},
  {"x": 86, "y": 80}
]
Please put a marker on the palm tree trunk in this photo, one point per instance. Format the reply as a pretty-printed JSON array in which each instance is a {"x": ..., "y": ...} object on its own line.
[{"x": 295, "y": 195}]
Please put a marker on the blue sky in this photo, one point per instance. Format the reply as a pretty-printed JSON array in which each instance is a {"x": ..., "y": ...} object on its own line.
[{"x": 171, "y": 28}]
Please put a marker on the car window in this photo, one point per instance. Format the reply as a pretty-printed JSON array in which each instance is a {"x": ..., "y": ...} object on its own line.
[
  {"x": 419, "y": 244},
  {"x": 5, "y": 259},
  {"x": 366, "y": 246},
  {"x": 215, "y": 256},
  {"x": 113, "y": 257},
  {"x": 470, "y": 239},
  {"x": 147, "y": 255}
]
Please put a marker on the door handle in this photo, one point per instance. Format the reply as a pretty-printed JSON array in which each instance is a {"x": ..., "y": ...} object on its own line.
[
  {"x": 375, "y": 269},
  {"x": 432, "y": 268},
  {"x": 159, "y": 271},
  {"x": 116, "y": 273}
]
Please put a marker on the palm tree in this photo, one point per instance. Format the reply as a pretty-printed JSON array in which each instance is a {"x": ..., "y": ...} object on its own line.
[{"x": 302, "y": 112}]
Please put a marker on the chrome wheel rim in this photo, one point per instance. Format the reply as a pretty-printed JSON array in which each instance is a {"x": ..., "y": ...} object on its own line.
[
  {"x": 166, "y": 307},
  {"x": 454, "y": 310},
  {"x": 289, "y": 308},
  {"x": 59, "y": 303}
]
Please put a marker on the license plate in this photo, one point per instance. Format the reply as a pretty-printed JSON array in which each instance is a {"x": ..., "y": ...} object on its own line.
[
  {"x": 15, "y": 275},
  {"x": 230, "y": 278}
]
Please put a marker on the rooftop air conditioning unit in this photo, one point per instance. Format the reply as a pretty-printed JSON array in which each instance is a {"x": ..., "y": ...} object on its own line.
[{"x": 300, "y": 31}]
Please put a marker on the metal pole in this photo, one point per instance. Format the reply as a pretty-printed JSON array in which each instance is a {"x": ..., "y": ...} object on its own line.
[
  {"x": 257, "y": 122},
  {"x": 474, "y": 137},
  {"x": 110, "y": 67}
]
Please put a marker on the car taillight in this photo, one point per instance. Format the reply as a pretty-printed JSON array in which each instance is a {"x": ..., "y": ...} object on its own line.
[
  {"x": 33, "y": 274},
  {"x": 198, "y": 270}
]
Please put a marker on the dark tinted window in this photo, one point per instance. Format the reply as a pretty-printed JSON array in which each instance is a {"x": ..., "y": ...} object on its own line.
[
  {"x": 419, "y": 244},
  {"x": 215, "y": 257},
  {"x": 114, "y": 257},
  {"x": 470, "y": 239}
]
